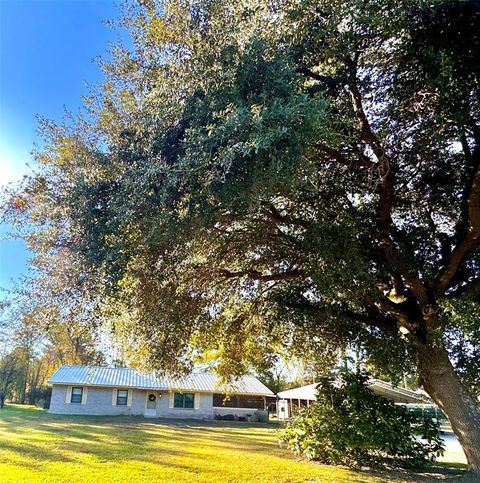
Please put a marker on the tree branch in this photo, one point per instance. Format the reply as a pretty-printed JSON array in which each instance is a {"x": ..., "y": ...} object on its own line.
[
  {"x": 470, "y": 289},
  {"x": 328, "y": 81},
  {"x": 256, "y": 275},
  {"x": 467, "y": 233},
  {"x": 386, "y": 193},
  {"x": 373, "y": 317},
  {"x": 362, "y": 162},
  {"x": 378, "y": 320},
  {"x": 276, "y": 216},
  {"x": 366, "y": 131}
]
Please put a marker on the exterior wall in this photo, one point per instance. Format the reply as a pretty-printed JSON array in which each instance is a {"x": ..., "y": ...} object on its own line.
[
  {"x": 235, "y": 411},
  {"x": 204, "y": 411},
  {"x": 98, "y": 402},
  {"x": 249, "y": 414}
]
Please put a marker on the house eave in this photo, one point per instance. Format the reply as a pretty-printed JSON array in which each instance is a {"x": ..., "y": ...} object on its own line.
[{"x": 159, "y": 389}]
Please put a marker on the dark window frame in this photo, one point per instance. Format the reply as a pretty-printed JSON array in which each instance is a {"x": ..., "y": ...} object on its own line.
[
  {"x": 184, "y": 400},
  {"x": 74, "y": 397},
  {"x": 122, "y": 400}
]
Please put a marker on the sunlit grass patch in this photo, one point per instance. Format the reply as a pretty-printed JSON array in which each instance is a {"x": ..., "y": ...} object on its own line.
[{"x": 37, "y": 446}]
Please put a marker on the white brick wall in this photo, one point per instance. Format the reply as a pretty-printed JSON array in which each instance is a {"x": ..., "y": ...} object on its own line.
[
  {"x": 204, "y": 411},
  {"x": 99, "y": 402}
]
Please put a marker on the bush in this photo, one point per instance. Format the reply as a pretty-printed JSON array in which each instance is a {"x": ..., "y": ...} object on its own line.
[
  {"x": 40, "y": 397},
  {"x": 225, "y": 417},
  {"x": 350, "y": 425}
]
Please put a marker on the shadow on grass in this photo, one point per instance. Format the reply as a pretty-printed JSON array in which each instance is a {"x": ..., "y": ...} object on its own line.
[
  {"x": 95, "y": 440},
  {"x": 425, "y": 475}
]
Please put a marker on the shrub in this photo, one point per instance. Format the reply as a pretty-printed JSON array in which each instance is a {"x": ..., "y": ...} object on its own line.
[
  {"x": 349, "y": 424},
  {"x": 225, "y": 417},
  {"x": 40, "y": 397}
]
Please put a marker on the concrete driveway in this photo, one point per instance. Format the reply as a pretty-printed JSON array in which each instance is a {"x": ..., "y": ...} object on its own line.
[{"x": 453, "y": 450}]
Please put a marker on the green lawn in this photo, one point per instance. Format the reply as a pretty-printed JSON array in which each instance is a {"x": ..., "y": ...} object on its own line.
[{"x": 37, "y": 446}]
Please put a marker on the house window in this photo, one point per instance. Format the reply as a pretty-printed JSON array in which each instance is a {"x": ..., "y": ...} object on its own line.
[
  {"x": 184, "y": 400},
  {"x": 122, "y": 397},
  {"x": 238, "y": 401},
  {"x": 77, "y": 393}
]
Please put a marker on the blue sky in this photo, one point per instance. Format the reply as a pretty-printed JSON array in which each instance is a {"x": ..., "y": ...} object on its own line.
[{"x": 47, "y": 49}]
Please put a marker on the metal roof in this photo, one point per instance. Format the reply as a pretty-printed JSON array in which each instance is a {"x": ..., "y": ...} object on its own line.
[
  {"x": 379, "y": 387},
  {"x": 125, "y": 377},
  {"x": 304, "y": 392},
  {"x": 397, "y": 393}
]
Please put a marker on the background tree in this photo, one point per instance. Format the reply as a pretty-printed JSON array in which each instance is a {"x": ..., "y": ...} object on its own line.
[
  {"x": 300, "y": 175},
  {"x": 36, "y": 340},
  {"x": 9, "y": 372}
]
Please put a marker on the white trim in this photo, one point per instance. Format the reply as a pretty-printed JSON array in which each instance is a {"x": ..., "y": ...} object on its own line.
[
  {"x": 84, "y": 395},
  {"x": 171, "y": 400},
  {"x": 196, "y": 401},
  {"x": 129, "y": 397},
  {"x": 114, "y": 397},
  {"x": 68, "y": 395}
]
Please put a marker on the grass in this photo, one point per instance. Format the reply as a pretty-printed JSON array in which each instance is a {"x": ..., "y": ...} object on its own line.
[{"x": 37, "y": 446}]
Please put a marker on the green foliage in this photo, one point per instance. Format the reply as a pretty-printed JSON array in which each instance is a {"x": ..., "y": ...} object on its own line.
[
  {"x": 11, "y": 371},
  {"x": 349, "y": 424}
]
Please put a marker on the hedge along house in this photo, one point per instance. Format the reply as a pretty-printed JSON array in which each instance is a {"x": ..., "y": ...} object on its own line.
[{"x": 115, "y": 391}]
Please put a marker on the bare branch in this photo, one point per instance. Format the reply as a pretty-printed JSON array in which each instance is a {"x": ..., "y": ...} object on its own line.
[
  {"x": 328, "y": 81},
  {"x": 372, "y": 317},
  {"x": 277, "y": 217},
  {"x": 256, "y": 275},
  {"x": 386, "y": 194},
  {"x": 366, "y": 131},
  {"x": 362, "y": 162},
  {"x": 470, "y": 289},
  {"x": 468, "y": 227}
]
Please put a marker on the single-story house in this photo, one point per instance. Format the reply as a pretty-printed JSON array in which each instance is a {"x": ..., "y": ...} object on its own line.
[
  {"x": 116, "y": 391},
  {"x": 292, "y": 399}
]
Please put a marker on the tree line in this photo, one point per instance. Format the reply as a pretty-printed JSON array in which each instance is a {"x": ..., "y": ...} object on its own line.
[{"x": 33, "y": 344}]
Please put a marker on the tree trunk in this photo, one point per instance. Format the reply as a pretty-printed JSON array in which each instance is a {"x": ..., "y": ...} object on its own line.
[{"x": 444, "y": 386}]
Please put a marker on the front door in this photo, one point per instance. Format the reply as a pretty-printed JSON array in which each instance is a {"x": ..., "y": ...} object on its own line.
[{"x": 151, "y": 407}]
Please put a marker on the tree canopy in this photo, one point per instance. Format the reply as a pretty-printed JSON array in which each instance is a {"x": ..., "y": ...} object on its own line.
[{"x": 263, "y": 176}]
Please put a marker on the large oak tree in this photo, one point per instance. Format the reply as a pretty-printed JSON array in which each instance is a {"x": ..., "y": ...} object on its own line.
[{"x": 298, "y": 174}]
